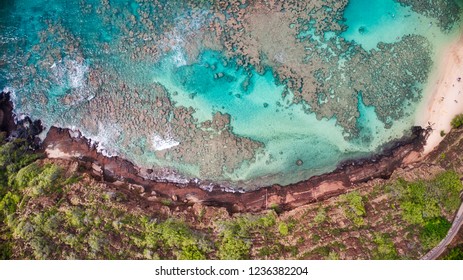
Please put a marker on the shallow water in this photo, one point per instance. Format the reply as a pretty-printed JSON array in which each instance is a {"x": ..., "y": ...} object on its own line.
[{"x": 147, "y": 83}]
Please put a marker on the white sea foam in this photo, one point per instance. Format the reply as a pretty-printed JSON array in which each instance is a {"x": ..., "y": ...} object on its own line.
[
  {"x": 70, "y": 72},
  {"x": 76, "y": 73},
  {"x": 223, "y": 187},
  {"x": 12, "y": 92},
  {"x": 177, "y": 44},
  {"x": 103, "y": 140},
  {"x": 74, "y": 133},
  {"x": 178, "y": 57},
  {"x": 184, "y": 30},
  {"x": 174, "y": 178},
  {"x": 160, "y": 143}
]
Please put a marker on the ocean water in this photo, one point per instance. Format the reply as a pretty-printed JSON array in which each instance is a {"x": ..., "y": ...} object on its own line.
[
  {"x": 152, "y": 82},
  {"x": 386, "y": 21}
]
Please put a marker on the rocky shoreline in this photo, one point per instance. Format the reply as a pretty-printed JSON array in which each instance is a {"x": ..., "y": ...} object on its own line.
[{"x": 118, "y": 171}]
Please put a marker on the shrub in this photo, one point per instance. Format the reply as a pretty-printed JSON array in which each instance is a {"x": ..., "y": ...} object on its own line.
[
  {"x": 167, "y": 202},
  {"x": 321, "y": 216},
  {"x": 9, "y": 203},
  {"x": 447, "y": 187},
  {"x": 26, "y": 175},
  {"x": 48, "y": 181},
  {"x": 457, "y": 121},
  {"x": 455, "y": 253},
  {"x": 283, "y": 229},
  {"x": 15, "y": 155},
  {"x": 422, "y": 200},
  {"x": 385, "y": 249},
  {"x": 5, "y": 250},
  {"x": 434, "y": 231},
  {"x": 192, "y": 252},
  {"x": 275, "y": 207},
  {"x": 177, "y": 237},
  {"x": 354, "y": 208},
  {"x": 333, "y": 256},
  {"x": 268, "y": 220},
  {"x": 235, "y": 239},
  {"x": 232, "y": 248}
]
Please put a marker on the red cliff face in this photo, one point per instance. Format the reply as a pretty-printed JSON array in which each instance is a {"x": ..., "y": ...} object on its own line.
[{"x": 120, "y": 171}]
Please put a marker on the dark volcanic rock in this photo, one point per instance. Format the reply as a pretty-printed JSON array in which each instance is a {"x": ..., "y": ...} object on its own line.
[
  {"x": 7, "y": 123},
  {"x": 22, "y": 129}
]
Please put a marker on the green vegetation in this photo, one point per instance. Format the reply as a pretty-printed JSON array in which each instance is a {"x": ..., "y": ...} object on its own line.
[
  {"x": 421, "y": 200},
  {"x": 442, "y": 156},
  {"x": 332, "y": 256},
  {"x": 283, "y": 229},
  {"x": 434, "y": 231},
  {"x": 235, "y": 235},
  {"x": 176, "y": 235},
  {"x": 275, "y": 207},
  {"x": 423, "y": 204},
  {"x": 417, "y": 204},
  {"x": 14, "y": 156},
  {"x": 321, "y": 216},
  {"x": 455, "y": 253},
  {"x": 167, "y": 202},
  {"x": 47, "y": 215},
  {"x": 354, "y": 208},
  {"x": 385, "y": 249},
  {"x": 457, "y": 121}
]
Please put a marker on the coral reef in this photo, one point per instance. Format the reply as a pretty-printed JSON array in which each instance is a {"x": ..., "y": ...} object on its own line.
[
  {"x": 101, "y": 70},
  {"x": 447, "y": 12}
]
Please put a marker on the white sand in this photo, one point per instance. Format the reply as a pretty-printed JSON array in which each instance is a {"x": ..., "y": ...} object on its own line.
[{"x": 445, "y": 95}]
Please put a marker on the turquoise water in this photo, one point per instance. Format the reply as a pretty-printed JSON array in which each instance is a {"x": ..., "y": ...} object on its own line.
[
  {"x": 145, "y": 83},
  {"x": 385, "y": 21},
  {"x": 260, "y": 113}
]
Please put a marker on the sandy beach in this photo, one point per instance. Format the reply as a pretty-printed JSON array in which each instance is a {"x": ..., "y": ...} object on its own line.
[{"x": 446, "y": 99}]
